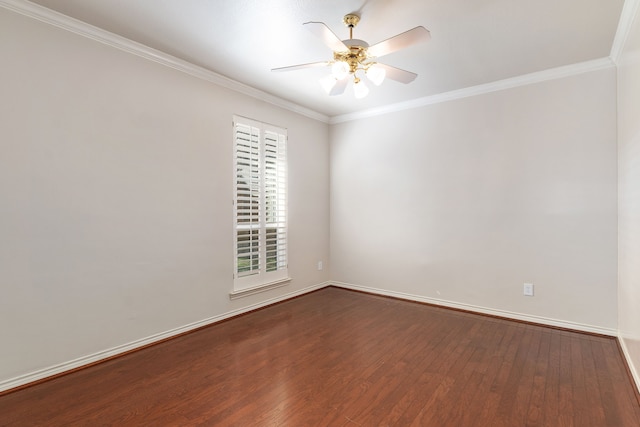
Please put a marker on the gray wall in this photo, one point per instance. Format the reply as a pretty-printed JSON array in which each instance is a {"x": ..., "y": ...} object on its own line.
[
  {"x": 629, "y": 197},
  {"x": 116, "y": 190},
  {"x": 463, "y": 202}
]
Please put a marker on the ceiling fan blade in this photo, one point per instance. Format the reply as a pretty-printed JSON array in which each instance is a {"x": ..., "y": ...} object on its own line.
[
  {"x": 397, "y": 74},
  {"x": 328, "y": 37},
  {"x": 301, "y": 66},
  {"x": 402, "y": 40},
  {"x": 339, "y": 87}
]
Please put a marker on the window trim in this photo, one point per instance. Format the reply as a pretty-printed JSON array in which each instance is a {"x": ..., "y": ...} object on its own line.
[
  {"x": 262, "y": 279},
  {"x": 239, "y": 293}
]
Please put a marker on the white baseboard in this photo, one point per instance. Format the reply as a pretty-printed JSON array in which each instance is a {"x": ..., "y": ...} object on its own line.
[
  {"x": 627, "y": 356},
  {"x": 483, "y": 310},
  {"x": 105, "y": 354}
]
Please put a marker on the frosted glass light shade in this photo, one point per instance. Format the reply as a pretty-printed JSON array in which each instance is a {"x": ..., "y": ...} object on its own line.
[
  {"x": 376, "y": 74},
  {"x": 328, "y": 83},
  {"x": 360, "y": 90},
  {"x": 340, "y": 70}
]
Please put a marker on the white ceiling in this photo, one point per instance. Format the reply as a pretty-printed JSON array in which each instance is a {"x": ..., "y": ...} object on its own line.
[{"x": 473, "y": 41}]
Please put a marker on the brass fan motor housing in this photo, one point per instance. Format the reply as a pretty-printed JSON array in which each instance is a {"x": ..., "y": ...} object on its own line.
[{"x": 354, "y": 58}]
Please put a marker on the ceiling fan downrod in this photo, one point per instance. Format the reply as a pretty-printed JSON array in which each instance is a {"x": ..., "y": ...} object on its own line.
[
  {"x": 356, "y": 55},
  {"x": 351, "y": 20}
]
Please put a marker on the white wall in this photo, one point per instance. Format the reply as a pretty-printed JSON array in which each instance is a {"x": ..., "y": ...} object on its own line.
[
  {"x": 466, "y": 200},
  {"x": 115, "y": 197},
  {"x": 629, "y": 197}
]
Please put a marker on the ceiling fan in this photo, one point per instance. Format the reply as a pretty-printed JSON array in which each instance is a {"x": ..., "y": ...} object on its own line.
[{"x": 355, "y": 58}]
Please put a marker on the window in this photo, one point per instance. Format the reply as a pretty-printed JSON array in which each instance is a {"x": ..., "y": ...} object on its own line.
[{"x": 260, "y": 205}]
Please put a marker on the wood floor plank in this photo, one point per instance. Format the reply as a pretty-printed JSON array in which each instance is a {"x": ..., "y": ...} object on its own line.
[
  {"x": 525, "y": 385},
  {"x": 487, "y": 370},
  {"x": 578, "y": 384},
  {"x": 543, "y": 371},
  {"x": 432, "y": 378},
  {"x": 505, "y": 353},
  {"x": 619, "y": 405},
  {"x": 550, "y": 411},
  {"x": 508, "y": 405},
  {"x": 341, "y": 358},
  {"x": 460, "y": 371},
  {"x": 567, "y": 407},
  {"x": 591, "y": 383}
]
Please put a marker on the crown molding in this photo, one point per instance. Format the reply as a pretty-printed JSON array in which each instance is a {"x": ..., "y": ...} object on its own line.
[
  {"x": 523, "y": 80},
  {"x": 83, "y": 29},
  {"x": 627, "y": 17}
]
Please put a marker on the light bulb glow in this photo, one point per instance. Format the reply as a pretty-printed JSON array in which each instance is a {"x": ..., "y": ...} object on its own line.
[
  {"x": 340, "y": 69},
  {"x": 360, "y": 90},
  {"x": 328, "y": 83},
  {"x": 376, "y": 74}
]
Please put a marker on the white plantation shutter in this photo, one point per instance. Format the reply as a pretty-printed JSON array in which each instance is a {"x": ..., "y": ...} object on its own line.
[
  {"x": 260, "y": 204},
  {"x": 247, "y": 202},
  {"x": 275, "y": 192}
]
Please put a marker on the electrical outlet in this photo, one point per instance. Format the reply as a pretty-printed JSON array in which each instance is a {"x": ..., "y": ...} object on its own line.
[
  {"x": 528, "y": 289},
  {"x": 319, "y": 265}
]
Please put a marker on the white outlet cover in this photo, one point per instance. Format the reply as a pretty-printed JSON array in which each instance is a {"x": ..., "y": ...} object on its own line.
[{"x": 528, "y": 289}]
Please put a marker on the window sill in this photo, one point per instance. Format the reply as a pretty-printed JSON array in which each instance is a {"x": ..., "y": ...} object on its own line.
[{"x": 240, "y": 293}]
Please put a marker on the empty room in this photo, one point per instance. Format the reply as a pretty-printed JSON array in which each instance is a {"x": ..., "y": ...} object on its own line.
[{"x": 320, "y": 213}]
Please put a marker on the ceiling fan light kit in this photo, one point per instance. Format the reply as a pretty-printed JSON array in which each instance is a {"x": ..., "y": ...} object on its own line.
[
  {"x": 355, "y": 58},
  {"x": 360, "y": 90},
  {"x": 340, "y": 70},
  {"x": 376, "y": 74}
]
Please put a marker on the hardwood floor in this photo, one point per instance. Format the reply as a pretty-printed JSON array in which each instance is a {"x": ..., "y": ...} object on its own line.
[{"x": 341, "y": 358}]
